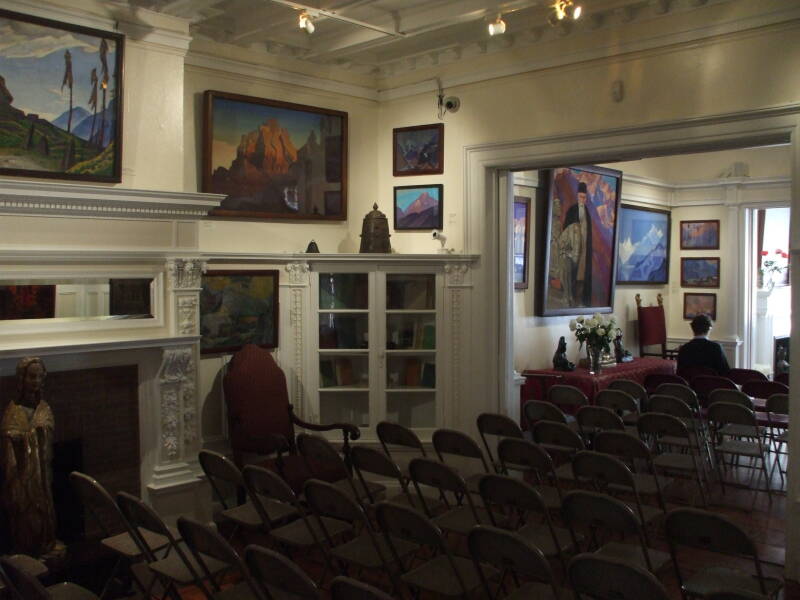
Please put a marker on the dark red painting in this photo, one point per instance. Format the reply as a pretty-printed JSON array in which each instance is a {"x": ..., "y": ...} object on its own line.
[{"x": 27, "y": 302}]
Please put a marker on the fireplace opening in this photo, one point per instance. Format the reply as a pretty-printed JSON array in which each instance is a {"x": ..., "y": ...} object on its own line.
[{"x": 67, "y": 457}]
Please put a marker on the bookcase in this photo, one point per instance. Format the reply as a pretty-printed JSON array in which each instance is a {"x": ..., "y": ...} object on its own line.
[{"x": 376, "y": 344}]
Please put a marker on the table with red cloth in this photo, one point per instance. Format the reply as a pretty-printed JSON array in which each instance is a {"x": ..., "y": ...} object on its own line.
[{"x": 538, "y": 381}]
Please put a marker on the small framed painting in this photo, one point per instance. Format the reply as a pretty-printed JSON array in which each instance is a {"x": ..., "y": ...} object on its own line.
[
  {"x": 700, "y": 272},
  {"x": 238, "y": 308},
  {"x": 418, "y": 150},
  {"x": 699, "y": 304},
  {"x": 643, "y": 246},
  {"x": 418, "y": 207},
  {"x": 522, "y": 222},
  {"x": 700, "y": 235}
]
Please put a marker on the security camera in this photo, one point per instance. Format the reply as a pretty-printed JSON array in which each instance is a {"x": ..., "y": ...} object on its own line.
[
  {"x": 452, "y": 104},
  {"x": 438, "y": 235}
]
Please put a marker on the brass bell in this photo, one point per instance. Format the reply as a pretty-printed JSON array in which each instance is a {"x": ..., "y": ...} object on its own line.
[{"x": 375, "y": 233}]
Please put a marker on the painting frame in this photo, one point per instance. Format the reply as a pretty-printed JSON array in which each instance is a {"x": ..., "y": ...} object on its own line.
[
  {"x": 689, "y": 283},
  {"x": 432, "y": 222},
  {"x": 711, "y": 312},
  {"x": 48, "y": 138},
  {"x": 334, "y": 158},
  {"x": 666, "y": 216},
  {"x": 524, "y": 204},
  {"x": 606, "y": 195},
  {"x": 685, "y": 234},
  {"x": 398, "y": 133},
  {"x": 209, "y": 299}
]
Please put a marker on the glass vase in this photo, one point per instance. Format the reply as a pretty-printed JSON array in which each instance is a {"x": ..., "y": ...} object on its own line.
[{"x": 594, "y": 353}]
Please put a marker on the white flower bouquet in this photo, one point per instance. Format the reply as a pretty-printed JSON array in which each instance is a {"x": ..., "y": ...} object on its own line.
[{"x": 596, "y": 331}]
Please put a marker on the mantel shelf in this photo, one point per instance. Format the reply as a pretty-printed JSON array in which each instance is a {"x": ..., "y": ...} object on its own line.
[
  {"x": 79, "y": 346},
  {"x": 314, "y": 258}
]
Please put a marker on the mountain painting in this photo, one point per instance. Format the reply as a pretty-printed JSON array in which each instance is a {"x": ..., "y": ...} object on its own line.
[
  {"x": 418, "y": 207},
  {"x": 60, "y": 115},
  {"x": 700, "y": 272},
  {"x": 643, "y": 246},
  {"x": 418, "y": 150},
  {"x": 274, "y": 159}
]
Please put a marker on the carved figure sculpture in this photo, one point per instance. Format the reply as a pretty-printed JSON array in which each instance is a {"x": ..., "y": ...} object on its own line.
[
  {"x": 621, "y": 355},
  {"x": 560, "y": 362},
  {"x": 26, "y": 433}
]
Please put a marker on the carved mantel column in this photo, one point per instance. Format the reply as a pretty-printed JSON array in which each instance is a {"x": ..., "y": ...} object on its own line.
[
  {"x": 458, "y": 284},
  {"x": 185, "y": 276},
  {"x": 297, "y": 280}
]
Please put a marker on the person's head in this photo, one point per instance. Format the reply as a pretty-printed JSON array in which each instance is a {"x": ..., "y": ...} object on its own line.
[
  {"x": 701, "y": 324},
  {"x": 31, "y": 374},
  {"x": 582, "y": 193}
]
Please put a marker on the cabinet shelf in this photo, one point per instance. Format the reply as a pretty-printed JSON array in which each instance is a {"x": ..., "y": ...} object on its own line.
[
  {"x": 345, "y": 388},
  {"x": 412, "y": 352},
  {"x": 410, "y": 389},
  {"x": 397, "y": 311},
  {"x": 344, "y": 351},
  {"x": 343, "y": 311}
]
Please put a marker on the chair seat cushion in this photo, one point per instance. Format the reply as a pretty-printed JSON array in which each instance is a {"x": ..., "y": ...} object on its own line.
[
  {"x": 122, "y": 543},
  {"x": 714, "y": 579},
  {"x": 739, "y": 447}
]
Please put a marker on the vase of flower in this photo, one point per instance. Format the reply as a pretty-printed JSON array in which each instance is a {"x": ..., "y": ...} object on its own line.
[{"x": 597, "y": 333}]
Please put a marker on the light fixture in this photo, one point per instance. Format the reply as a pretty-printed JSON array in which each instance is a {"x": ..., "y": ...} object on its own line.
[
  {"x": 305, "y": 22},
  {"x": 498, "y": 26},
  {"x": 567, "y": 8}
]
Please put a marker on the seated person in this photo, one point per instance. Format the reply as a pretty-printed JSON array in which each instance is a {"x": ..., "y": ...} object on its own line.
[{"x": 700, "y": 351}]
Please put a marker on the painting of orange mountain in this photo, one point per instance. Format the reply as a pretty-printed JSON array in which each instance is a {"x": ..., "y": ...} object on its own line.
[
  {"x": 418, "y": 207},
  {"x": 274, "y": 159},
  {"x": 59, "y": 111}
]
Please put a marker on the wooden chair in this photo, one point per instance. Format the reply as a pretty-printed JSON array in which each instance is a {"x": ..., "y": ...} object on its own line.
[
  {"x": 261, "y": 420},
  {"x": 653, "y": 329}
]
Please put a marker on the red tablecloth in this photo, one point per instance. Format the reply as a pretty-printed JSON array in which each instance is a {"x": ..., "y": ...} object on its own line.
[{"x": 538, "y": 381}]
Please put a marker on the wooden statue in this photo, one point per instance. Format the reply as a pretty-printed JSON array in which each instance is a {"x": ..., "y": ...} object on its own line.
[
  {"x": 620, "y": 354},
  {"x": 560, "y": 362}
]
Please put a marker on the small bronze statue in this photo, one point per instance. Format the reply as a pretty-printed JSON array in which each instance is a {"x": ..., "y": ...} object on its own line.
[
  {"x": 560, "y": 362},
  {"x": 621, "y": 355}
]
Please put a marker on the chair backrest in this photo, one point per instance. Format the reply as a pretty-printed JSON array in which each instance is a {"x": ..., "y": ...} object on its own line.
[
  {"x": 98, "y": 502},
  {"x": 23, "y": 584},
  {"x": 219, "y": 468},
  {"x": 622, "y": 443},
  {"x": 317, "y": 451},
  {"x": 606, "y": 578},
  {"x": 507, "y": 550},
  {"x": 424, "y": 471},
  {"x": 274, "y": 571},
  {"x": 394, "y": 434},
  {"x": 703, "y": 385},
  {"x": 632, "y": 388},
  {"x": 616, "y": 400},
  {"x": 346, "y": 588},
  {"x": 691, "y": 371},
  {"x": 525, "y": 455},
  {"x": 370, "y": 460},
  {"x": 551, "y": 433},
  {"x": 602, "y": 469},
  {"x": 742, "y": 376},
  {"x": 594, "y": 418},
  {"x": 670, "y": 405},
  {"x": 261, "y": 481},
  {"x": 510, "y": 492},
  {"x": 658, "y": 425},
  {"x": 457, "y": 443},
  {"x": 678, "y": 390},
  {"x": 566, "y": 395},
  {"x": 497, "y": 425},
  {"x": 778, "y": 404},
  {"x": 652, "y": 325},
  {"x": 326, "y": 500},
  {"x": 723, "y": 413},
  {"x": 764, "y": 389},
  {"x": 653, "y": 380},
  {"x": 538, "y": 410},
  {"x": 732, "y": 396},
  {"x": 257, "y": 399}
]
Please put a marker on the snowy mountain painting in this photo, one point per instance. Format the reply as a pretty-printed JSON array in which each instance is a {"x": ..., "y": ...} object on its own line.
[
  {"x": 643, "y": 247},
  {"x": 418, "y": 207}
]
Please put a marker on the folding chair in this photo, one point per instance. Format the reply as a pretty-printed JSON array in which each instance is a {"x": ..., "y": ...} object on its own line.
[
  {"x": 621, "y": 402},
  {"x": 633, "y": 389},
  {"x": 699, "y": 438},
  {"x": 394, "y": 434},
  {"x": 604, "y": 578},
  {"x": 510, "y": 552},
  {"x": 204, "y": 541},
  {"x": 567, "y": 396},
  {"x": 443, "y": 573},
  {"x": 714, "y": 533},
  {"x": 680, "y": 391},
  {"x": 278, "y": 576},
  {"x": 499, "y": 426},
  {"x": 26, "y": 587},
  {"x": 536, "y": 464},
  {"x": 777, "y": 410},
  {"x": 449, "y": 442},
  {"x": 561, "y": 442},
  {"x": 593, "y": 419},
  {"x": 345, "y": 588},
  {"x": 538, "y": 410}
]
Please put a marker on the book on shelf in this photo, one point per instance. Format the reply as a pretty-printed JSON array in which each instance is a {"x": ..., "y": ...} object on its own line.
[
  {"x": 412, "y": 375},
  {"x": 428, "y": 378},
  {"x": 428, "y": 336},
  {"x": 344, "y": 372},
  {"x": 327, "y": 374}
]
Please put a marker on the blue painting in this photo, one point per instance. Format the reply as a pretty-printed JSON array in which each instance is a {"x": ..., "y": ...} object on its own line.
[
  {"x": 418, "y": 150},
  {"x": 418, "y": 207},
  {"x": 643, "y": 248}
]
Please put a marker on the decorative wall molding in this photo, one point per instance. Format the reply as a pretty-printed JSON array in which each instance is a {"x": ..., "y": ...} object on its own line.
[
  {"x": 44, "y": 198},
  {"x": 176, "y": 379},
  {"x": 188, "y": 314},
  {"x": 455, "y": 274},
  {"x": 297, "y": 273},
  {"x": 185, "y": 273}
]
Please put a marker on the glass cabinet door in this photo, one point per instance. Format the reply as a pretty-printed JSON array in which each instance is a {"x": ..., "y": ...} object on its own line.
[{"x": 410, "y": 383}]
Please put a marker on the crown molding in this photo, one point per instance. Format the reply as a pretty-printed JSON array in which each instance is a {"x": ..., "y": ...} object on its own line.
[{"x": 48, "y": 199}]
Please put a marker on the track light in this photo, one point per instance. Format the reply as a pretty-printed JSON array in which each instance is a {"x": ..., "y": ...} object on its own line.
[
  {"x": 305, "y": 22},
  {"x": 567, "y": 8},
  {"x": 498, "y": 26}
]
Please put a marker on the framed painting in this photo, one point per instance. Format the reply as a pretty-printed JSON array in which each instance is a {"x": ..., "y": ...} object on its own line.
[
  {"x": 418, "y": 207},
  {"x": 238, "y": 308},
  {"x": 699, "y": 304},
  {"x": 643, "y": 248},
  {"x": 700, "y": 235},
  {"x": 522, "y": 227},
  {"x": 580, "y": 251},
  {"x": 60, "y": 100},
  {"x": 418, "y": 150},
  {"x": 700, "y": 272},
  {"x": 274, "y": 160}
]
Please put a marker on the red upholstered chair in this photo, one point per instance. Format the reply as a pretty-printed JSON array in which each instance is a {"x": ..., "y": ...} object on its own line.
[
  {"x": 782, "y": 378},
  {"x": 653, "y": 329},
  {"x": 690, "y": 372},
  {"x": 653, "y": 380},
  {"x": 742, "y": 376},
  {"x": 261, "y": 420},
  {"x": 764, "y": 389},
  {"x": 703, "y": 385}
]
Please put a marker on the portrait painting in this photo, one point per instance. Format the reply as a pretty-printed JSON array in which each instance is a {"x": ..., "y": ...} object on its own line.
[
  {"x": 274, "y": 160},
  {"x": 643, "y": 248},
  {"x": 418, "y": 207},
  {"x": 700, "y": 272},
  {"x": 522, "y": 220},
  {"x": 27, "y": 302},
  {"x": 699, "y": 304},
  {"x": 60, "y": 100},
  {"x": 700, "y": 235},
  {"x": 238, "y": 308},
  {"x": 418, "y": 150},
  {"x": 579, "y": 270}
]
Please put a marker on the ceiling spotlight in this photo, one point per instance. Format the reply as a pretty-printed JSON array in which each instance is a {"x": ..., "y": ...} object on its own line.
[
  {"x": 305, "y": 22},
  {"x": 567, "y": 8},
  {"x": 498, "y": 26}
]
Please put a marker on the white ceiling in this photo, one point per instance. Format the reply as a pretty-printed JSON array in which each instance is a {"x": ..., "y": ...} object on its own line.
[{"x": 422, "y": 33}]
